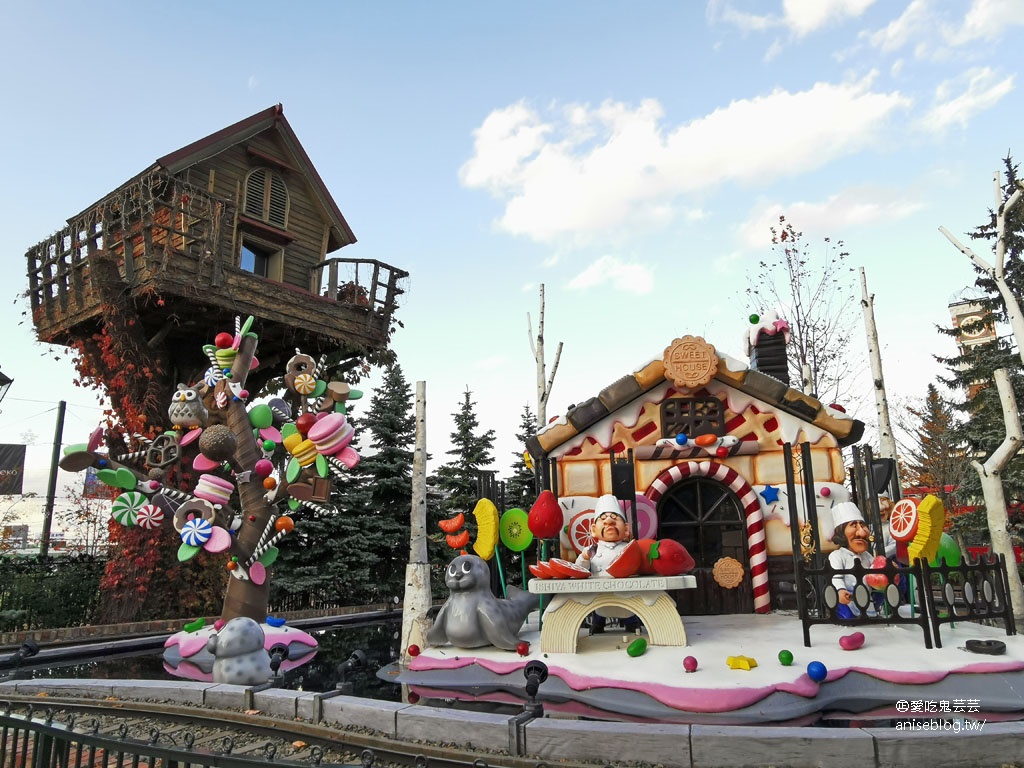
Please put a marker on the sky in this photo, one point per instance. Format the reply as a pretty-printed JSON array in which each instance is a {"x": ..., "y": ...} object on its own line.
[{"x": 630, "y": 157}]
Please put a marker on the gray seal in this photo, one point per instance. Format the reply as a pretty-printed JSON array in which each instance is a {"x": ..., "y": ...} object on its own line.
[{"x": 472, "y": 616}]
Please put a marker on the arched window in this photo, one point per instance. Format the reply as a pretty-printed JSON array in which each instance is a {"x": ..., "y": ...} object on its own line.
[{"x": 266, "y": 197}]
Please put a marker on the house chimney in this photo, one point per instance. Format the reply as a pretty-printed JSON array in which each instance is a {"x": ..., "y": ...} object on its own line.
[{"x": 766, "y": 343}]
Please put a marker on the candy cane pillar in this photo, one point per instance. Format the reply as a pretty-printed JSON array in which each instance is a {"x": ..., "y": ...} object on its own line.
[{"x": 757, "y": 550}]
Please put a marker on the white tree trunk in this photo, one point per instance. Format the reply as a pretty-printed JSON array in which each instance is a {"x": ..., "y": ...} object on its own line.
[
  {"x": 886, "y": 439},
  {"x": 992, "y": 487},
  {"x": 417, "y": 573},
  {"x": 537, "y": 347}
]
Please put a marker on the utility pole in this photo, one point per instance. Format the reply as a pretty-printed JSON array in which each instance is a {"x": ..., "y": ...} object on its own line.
[{"x": 51, "y": 490}]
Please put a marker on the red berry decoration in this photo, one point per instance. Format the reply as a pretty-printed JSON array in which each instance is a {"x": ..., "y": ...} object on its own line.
[
  {"x": 545, "y": 518},
  {"x": 305, "y": 422},
  {"x": 690, "y": 664},
  {"x": 414, "y": 650},
  {"x": 523, "y": 649},
  {"x": 223, "y": 340},
  {"x": 671, "y": 558}
]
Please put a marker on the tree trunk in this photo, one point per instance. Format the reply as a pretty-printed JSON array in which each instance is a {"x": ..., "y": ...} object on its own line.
[
  {"x": 417, "y": 573},
  {"x": 992, "y": 487}
]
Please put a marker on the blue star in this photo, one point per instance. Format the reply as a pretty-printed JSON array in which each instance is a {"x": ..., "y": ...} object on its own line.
[{"x": 770, "y": 494}]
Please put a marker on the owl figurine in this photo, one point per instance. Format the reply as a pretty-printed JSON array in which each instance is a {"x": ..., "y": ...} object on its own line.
[{"x": 187, "y": 410}]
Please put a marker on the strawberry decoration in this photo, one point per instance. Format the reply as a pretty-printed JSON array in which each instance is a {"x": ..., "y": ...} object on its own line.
[{"x": 545, "y": 518}]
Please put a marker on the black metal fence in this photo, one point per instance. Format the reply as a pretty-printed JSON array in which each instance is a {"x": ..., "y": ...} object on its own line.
[
  {"x": 41, "y": 742},
  {"x": 929, "y": 597}
]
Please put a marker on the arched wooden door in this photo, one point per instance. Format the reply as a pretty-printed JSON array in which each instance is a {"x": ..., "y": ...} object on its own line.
[{"x": 707, "y": 518}]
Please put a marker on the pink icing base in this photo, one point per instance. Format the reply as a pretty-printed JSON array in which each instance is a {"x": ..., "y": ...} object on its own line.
[{"x": 710, "y": 700}]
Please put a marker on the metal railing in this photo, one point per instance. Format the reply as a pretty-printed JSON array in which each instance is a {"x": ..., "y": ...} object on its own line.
[{"x": 39, "y": 741}]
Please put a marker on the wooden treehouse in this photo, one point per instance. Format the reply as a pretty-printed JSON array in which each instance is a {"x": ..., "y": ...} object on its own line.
[{"x": 237, "y": 223}]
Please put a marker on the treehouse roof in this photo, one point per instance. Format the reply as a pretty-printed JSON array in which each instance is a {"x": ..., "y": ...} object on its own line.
[{"x": 269, "y": 119}]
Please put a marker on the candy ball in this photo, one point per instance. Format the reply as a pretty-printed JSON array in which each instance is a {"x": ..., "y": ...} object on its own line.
[
  {"x": 263, "y": 468},
  {"x": 754, "y": 318},
  {"x": 284, "y": 523},
  {"x": 816, "y": 671},
  {"x": 305, "y": 422},
  {"x": 690, "y": 664},
  {"x": 681, "y": 439},
  {"x": 721, "y": 452},
  {"x": 223, "y": 340},
  {"x": 269, "y": 445},
  {"x": 826, "y": 492},
  {"x": 269, "y": 483},
  {"x": 785, "y": 658},
  {"x": 414, "y": 650}
]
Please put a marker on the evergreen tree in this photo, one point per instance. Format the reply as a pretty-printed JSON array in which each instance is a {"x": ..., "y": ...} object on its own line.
[
  {"x": 521, "y": 487},
  {"x": 388, "y": 471},
  {"x": 982, "y": 428},
  {"x": 332, "y": 554},
  {"x": 470, "y": 452},
  {"x": 457, "y": 484}
]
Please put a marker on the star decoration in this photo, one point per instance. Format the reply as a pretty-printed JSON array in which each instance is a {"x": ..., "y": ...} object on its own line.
[
  {"x": 741, "y": 662},
  {"x": 770, "y": 494}
]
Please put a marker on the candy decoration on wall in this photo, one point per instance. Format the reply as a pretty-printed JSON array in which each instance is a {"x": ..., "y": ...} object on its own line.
[
  {"x": 126, "y": 507},
  {"x": 150, "y": 517},
  {"x": 756, "y": 540}
]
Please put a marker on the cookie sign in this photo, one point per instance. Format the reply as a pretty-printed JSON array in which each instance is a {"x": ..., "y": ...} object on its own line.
[{"x": 690, "y": 362}]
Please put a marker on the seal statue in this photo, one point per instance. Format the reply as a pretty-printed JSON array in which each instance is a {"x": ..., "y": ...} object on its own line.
[{"x": 472, "y": 616}]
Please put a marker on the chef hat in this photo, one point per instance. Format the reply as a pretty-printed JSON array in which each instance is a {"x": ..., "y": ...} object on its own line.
[
  {"x": 608, "y": 503},
  {"x": 845, "y": 512}
]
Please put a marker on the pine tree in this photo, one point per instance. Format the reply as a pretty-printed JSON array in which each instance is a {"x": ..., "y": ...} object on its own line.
[
  {"x": 388, "y": 471},
  {"x": 521, "y": 487},
  {"x": 457, "y": 482},
  {"x": 471, "y": 452},
  {"x": 331, "y": 555}
]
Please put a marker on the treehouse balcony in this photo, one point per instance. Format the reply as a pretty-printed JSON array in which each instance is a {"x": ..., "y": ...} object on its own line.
[{"x": 176, "y": 256}]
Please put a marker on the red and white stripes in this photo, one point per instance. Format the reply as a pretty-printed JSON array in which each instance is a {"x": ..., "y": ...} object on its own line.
[{"x": 757, "y": 550}]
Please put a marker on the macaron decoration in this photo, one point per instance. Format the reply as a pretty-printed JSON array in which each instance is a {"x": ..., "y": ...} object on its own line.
[{"x": 214, "y": 489}]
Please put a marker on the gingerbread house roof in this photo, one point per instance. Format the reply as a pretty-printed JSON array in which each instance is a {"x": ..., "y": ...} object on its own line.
[{"x": 729, "y": 371}]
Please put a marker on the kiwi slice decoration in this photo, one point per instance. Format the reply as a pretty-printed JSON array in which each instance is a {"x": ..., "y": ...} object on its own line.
[{"x": 514, "y": 530}]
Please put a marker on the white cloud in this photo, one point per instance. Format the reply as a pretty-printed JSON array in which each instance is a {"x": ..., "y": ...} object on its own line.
[
  {"x": 630, "y": 278},
  {"x": 986, "y": 20},
  {"x": 601, "y": 170},
  {"x": 253, "y": 83},
  {"x": 800, "y": 17},
  {"x": 806, "y": 16},
  {"x": 957, "y": 101},
  {"x": 915, "y": 21},
  {"x": 856, "y": 207}
]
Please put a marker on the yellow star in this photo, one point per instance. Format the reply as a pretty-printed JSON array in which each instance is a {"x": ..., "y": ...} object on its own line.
[{"x": 741, "y": 662}]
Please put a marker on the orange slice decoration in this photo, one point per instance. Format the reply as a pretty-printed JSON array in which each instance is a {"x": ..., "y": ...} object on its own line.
[{"x": 904, "y": 520}]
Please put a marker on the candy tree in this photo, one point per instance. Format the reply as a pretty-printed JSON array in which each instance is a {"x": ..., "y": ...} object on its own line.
[{"x": 255, "y": 463}]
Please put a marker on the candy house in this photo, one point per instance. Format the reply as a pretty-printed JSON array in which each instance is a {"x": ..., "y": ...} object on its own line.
[{"x": 697, "y": 438}]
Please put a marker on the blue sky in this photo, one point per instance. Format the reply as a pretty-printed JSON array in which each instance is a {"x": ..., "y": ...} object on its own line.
[{"x": 630, "y": 156}]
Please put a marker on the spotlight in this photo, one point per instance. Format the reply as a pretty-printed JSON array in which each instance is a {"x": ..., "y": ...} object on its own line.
[{"x": 535, "y": 672}]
